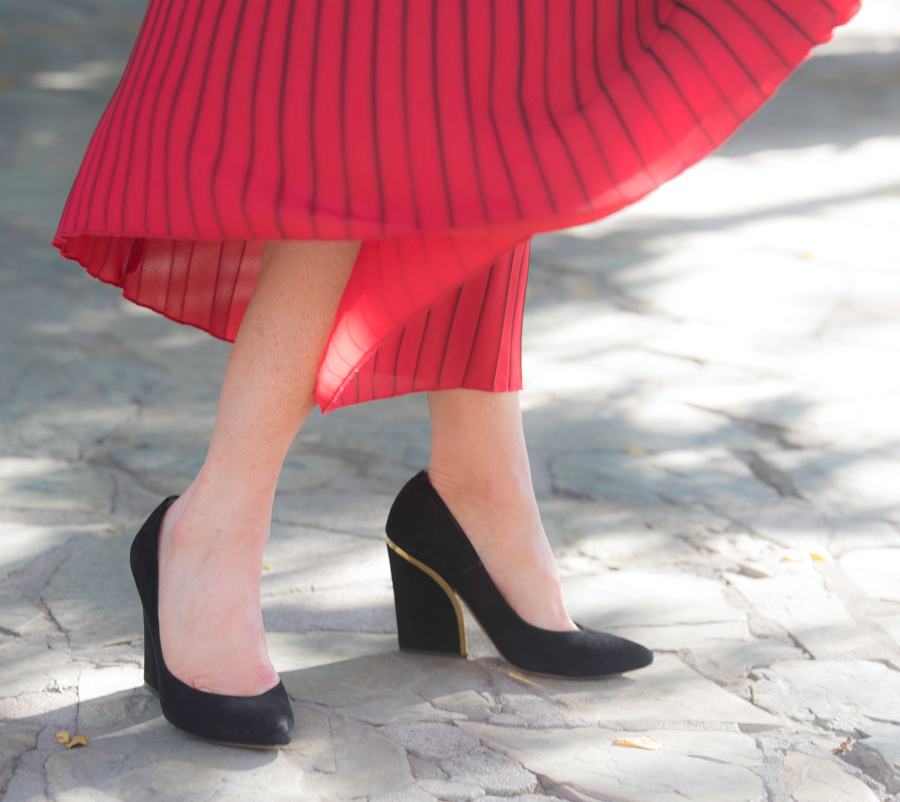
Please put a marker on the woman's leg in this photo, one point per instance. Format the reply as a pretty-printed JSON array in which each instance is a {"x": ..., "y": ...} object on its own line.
[
  {"x": 212, "y": 538},
  {"x": 479, "y": 467}
]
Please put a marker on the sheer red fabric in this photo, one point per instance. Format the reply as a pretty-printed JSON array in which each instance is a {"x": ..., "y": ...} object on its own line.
[{"x": 442, "y": 133}]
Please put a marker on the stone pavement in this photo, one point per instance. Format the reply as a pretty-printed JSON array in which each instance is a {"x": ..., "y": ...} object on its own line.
[{"x": 712, "y": 393}]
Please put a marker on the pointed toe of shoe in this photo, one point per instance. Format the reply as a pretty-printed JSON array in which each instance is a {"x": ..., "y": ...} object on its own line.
[
  {"x": 586, "y": 654},
  {"x": 282, "y": 732},
  {"x": 639, "y": 656},
  {"x": 609, "y": 654},
  {"x": 257, "y": 722},
  {"x": 277, "y": 727}
]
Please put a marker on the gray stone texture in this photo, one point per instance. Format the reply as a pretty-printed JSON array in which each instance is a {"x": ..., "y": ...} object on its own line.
[
  {"x": 812, "y": 779},
  {"x": 711, "y": 410},
  {"x": 694, "y": 765}
]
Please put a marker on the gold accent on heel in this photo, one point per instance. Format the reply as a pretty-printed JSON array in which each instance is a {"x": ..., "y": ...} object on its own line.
[{"x": 461, "y": 622}]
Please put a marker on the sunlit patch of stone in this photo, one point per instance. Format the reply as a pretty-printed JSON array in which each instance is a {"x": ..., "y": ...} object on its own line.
[{"x": 81, "y": 77}]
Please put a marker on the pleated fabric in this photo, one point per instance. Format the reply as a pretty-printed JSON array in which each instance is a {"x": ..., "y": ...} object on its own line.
[{"x": 442, "y": 133}]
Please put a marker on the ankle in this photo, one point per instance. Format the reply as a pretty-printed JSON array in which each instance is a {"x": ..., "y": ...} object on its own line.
[
  {"x": 504, "y": 489},
  {"x": 201, "y": 523}
]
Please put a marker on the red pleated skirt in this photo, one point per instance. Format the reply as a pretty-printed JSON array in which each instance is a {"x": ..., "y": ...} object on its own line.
[{"x": 442, "y": 133}]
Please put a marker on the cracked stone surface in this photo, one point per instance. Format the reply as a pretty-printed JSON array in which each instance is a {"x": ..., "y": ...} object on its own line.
[
  {"x": 812, "y": 779},
  {"x": 693, "y": 765},
  {"x": 710, "y": 407}
]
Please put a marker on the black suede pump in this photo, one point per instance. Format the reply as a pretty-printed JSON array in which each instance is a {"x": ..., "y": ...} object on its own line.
[
  {"x": 432, "y": 561},
  {"x": 265, "y": 721}
]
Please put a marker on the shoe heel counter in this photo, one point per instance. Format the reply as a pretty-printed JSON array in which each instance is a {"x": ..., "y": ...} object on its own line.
[
  {"x": 405, "y": 512},
  {"x": 151, "y": 671},
  {"x": 138, "y": 560},
  {"x": 144, "y": 553}
]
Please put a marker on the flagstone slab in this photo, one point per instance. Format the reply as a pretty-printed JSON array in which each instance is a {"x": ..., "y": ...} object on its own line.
[
  {"x": 68, "y": 390},
  {"x": 50, "y": 484},
  {"x": 799, "y": 600},
  {"x": 728, "y": 661},
  {"x": 524, "y": 798},
  {"x": 183, "y": 420},
  {"x": 813, "y": 779},
  {"x": 301, "y": 559},
  {"x": 29, "y": 665},
  {"x": 466, "y": 705},
  {"x": 365, "y": 763},
  {"x": 696, "y": 766},
  {"x": 15, "y": 739},
  {"x": 525, "y": 709},
  {"x": 190, "y": 356},
  {"x": 294, "y": 651},
  {"x": 847, "y": 693},
  {"x": 170, "y": 470},
  {"x": 876, "y": 571},
  {"x": 451, "y": 791},
  {"x": 163, "y": 471},
  {"x": 667, "y": 611},
  {"x": 318, "y": 579},
  {"x": 866, "y": 483},
  {"x": 358, "y": 607},
  {"x": 493, "y": 771},
  {"x": 92, "y": 594},
  {"x": 21, "y": 543},
  {"x": 879, "y": 756},
  {"x": 667, "y": 691},
  {"x": 153, "y": 760},
  {"x": 389, "y": 688},
  {"x": 386, "y": 428},
  {"x": 674, "y": 637},
  {"x": 612, "y": 522},
  {"x": 331, "y": 759},
  {"x": 853, "y": 534},
  {"x": 602, "y": 476},
  {"x": 356, "y": 513},
  {"x": 890, "y": 624},
  {"x": 112, "y": 696},
  {"x": 700, "y": 475},
  {"x": 409, "y": 793},
  {"x": 432, "y": 740},
  {"x": 792, "y": 523},
  {"x": 632, "y": 545}
]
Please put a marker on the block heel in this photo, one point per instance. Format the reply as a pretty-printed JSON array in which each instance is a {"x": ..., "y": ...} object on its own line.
[
  {"x": 429, "y": 616},
  {"x": 151, "y": 676}
]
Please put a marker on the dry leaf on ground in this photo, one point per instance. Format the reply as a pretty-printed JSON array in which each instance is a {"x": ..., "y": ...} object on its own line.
[
  {"x": 78, "y": 740},
  {"x": 794, "y": 556},
  {"x": 643, "y": 742}
]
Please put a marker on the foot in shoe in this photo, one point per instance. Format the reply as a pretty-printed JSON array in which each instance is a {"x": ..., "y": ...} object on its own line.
[
  {"x": 502, "y": 521},
  {"x": 211, "y": 627}
]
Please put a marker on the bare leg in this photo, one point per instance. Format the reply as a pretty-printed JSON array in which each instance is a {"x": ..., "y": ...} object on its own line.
[
  {"x": 479, "y": 467},
  {"x": 212, "y": 537}
]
